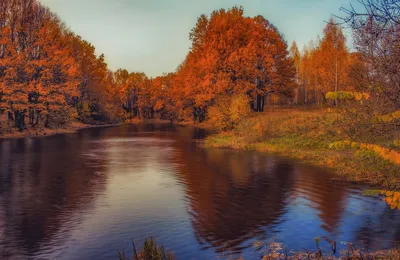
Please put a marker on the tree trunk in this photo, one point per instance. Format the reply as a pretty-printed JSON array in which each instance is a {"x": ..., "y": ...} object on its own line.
[
  {"x": 19, "y": 120},
  {"x": 46, "y": 123},
  {"x": 31, "y": 116},
  {"x": 336, "y": 81},
  {"x": 37, "y": 119},
  {"x": 22, "y": 119},
  {"x": 10, "y": 116},
  {"x": 258, "y": 104},
  {"x": 262, "y": 104}
]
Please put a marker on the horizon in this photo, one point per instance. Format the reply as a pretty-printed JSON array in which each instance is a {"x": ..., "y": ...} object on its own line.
[{"x": 131, "y": 37}]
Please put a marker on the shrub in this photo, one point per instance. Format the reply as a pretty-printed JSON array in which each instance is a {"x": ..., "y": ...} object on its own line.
[{"x": 228, "y": 111}]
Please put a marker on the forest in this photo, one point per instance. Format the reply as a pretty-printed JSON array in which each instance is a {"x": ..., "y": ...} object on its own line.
[
  {"x": 51, "y": 76},
  {"x": 237, "y": 69}
]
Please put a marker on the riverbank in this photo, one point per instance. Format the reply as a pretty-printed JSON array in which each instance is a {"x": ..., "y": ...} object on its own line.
[
  {"x": 150, "y": 250},
  {"x": 70, "y": 128},
  {"x": 307, "y": 136},
  {"x": 73, "y": 127},
  {"x": 203, "y": 125}
]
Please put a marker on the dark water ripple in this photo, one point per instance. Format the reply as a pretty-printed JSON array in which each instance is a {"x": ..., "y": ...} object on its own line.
[{"x": 87, "y": 195}]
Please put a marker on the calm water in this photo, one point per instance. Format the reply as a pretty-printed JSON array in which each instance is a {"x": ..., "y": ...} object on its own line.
[{"x": 87, "y": 195}]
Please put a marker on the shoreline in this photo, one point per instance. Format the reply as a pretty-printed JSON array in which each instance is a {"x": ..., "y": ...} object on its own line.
[
  {"x": 213, "y": 142},
  {"x": 307, "y": 136},
  {"x": 74, "y": 127},
  {"x": 342, "y": 163},
  {"x": 203, "y": 125},
  {"x": 71, "y": 128},
  {"x": 334, "y": 162}
]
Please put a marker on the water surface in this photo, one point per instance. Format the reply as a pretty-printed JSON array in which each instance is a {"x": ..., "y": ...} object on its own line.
[{"x": 87, "y": 195}]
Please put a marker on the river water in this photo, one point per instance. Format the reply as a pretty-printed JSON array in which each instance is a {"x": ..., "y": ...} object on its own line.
[{"x": 89, "y": 194}]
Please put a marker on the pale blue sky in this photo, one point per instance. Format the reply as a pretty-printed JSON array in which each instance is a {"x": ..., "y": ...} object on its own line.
[{"x": 153, "y": 35}]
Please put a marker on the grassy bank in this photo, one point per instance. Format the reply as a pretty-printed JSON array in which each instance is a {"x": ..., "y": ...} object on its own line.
[{"x": 307, "y": 135}]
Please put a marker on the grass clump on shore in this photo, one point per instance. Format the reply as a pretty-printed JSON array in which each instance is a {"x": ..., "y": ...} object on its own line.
[
  {"x": 308, "y": 135},
  {"x": 149, "y": 251}
]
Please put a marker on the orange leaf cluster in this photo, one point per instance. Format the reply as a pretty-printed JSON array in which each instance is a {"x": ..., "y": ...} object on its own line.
[
  {"x": 387, "y": 154},
  {"x": 387, "y": 118},
  {"x": 350, "y": 95},
  {"x": 392, "y": 198}
]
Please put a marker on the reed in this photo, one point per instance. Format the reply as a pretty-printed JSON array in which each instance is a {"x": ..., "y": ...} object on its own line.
[{"x": 149, "y": 251}]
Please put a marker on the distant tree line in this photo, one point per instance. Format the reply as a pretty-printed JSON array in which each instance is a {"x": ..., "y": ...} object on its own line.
[
  {"x": 49, "y": 76},
  {"x": 230, "y": 55}
]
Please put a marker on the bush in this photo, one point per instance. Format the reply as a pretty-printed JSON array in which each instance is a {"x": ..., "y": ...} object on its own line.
[
  {"x": 58, "y": 118},
  {"x": 228, "y": 111}
]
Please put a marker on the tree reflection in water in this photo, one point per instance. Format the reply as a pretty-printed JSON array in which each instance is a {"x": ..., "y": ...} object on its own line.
[
  {"x": 217, "y": 199},
  {"x": 43, "y": 183}
]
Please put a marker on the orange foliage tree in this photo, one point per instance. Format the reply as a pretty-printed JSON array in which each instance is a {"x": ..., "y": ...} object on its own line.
[
  {"x": 48, "y": 74},
  {"x": 326, "y": 66},
  {"x": 162, "y": 95},
  {"x": 233, "y": 54},
  {"x": 296, "y": 56}
]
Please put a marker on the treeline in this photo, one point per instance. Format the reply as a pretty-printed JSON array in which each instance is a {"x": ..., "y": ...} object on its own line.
[
  {"x": 49, "y": 76},
  {"x": 325, "y": 65},
  {"x": 230, "y": 55}
]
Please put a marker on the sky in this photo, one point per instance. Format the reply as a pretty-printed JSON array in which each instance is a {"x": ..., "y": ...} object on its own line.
[{"x": 152, "y": 36}]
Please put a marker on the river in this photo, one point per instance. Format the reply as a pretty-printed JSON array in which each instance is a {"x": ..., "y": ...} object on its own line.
[{"x": 89, "y": 194}]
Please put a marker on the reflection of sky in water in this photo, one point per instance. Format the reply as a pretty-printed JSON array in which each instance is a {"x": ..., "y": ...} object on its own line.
[{"x": 108, "y": 186}]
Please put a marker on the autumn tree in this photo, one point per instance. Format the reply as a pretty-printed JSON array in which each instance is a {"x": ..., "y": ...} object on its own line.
[
  {"x": 163, "y": 97},
  {"x": 296, "y": 56},
  {"x": 38, "y": 73},
  {"x": 94, "y": 99},
  {"x": 376, "y": 33},
  {"x": 233, "y": 54},
  {"x": 147, "y": 98},
  {"x": 48, "y": 74},
  {"x": 376, "y": 27},
  {"x": 134, "y": 91},
  {"x": 332, "y": 58},
  {"x": 53, "y": 81},
  {"x": 308, "y": 69},
  {"x": 325, "y": 65},
  {"x": 310, "y": 74}
]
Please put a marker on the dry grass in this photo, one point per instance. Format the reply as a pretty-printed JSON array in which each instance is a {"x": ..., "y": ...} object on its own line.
[
  {"x": 274, "y": 251},
  {"x": 149, "y": 251},
  {"x": 306, "y": 135}
]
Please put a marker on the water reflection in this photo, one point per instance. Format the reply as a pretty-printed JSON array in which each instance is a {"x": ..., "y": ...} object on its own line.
[
  {"x": 85, "y": 195},
  {"x": 42, "y": 183},
  {"x": 233, "y": 205}
]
